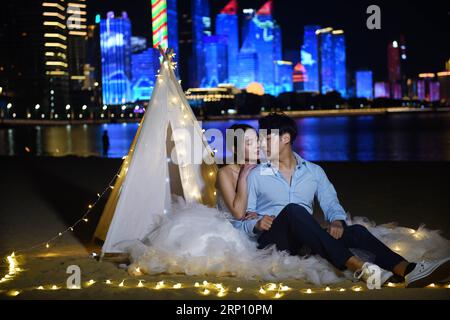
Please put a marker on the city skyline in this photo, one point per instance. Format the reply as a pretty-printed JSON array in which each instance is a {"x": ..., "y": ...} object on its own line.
[{"x": 427, "y": 49}]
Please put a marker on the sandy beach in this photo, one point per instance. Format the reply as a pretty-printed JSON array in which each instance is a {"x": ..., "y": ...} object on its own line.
[{"x": 40, "y": 197}]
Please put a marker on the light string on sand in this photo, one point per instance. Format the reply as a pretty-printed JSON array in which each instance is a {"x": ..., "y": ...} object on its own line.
[{"x": 205, "y": 288}]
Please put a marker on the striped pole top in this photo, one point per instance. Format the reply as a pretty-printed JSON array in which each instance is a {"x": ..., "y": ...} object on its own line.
[{"x": 159, "y": 24}]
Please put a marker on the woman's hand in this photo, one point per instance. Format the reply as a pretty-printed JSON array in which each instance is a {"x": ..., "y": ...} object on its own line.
[
  {"x": 250, "y": 216},
  {"x": 245, "y": 170}
]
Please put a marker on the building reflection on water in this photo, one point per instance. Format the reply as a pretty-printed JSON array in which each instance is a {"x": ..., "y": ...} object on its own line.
[{"x": 403, "y": 137}]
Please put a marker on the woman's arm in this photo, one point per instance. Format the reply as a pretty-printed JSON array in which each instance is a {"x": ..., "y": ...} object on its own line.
[{"x": 235, "y": 199}]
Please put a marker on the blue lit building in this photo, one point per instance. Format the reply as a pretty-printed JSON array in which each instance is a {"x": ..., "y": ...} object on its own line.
[
  {"x": 332, "y": 61},
  {"x": 115, "y": 45},
  {"x": 262, "y": 43},
  {"x": 144, "y": 66},
  {"x": 227, "y": 25},
  {"x": 216, "y": 66},
  {"x": 310, "y": 58},
  {"x": 201, "y": 26},
  {"x": 284, "y": 71},
  {"x": 247, "y": 68},
  {"x": 364, "y": 84},
  {"x": 327, "y": 78},
  {"x": 340, "y": 62},
  {"x": 172, "y": 25}
]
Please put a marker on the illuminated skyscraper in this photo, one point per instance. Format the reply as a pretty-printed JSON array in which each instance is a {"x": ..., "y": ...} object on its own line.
[
  {"x": 300, "y": 77},
  {"x": 332, "y": 61},
  {"x": 247, "y": 68},
  {"x": 394, "y": 69},
  {"x": 310, "y": 58},
  {"x": 201, "y": 26},
  {"x": 172, "y": 24},
  {"x": 283, "y": 77},
  {"x": 216, "y": 70},
  {"x": 421, "y": 90},
  {"x": 364, "y": 84},
  {"x": 444, "y": 84},
  {"x": 434, "y": 91},
  {"x": 340, "y": 62},
  {"x": 227, "y": 25},
  {"x": 263, "y": 43},
  {"x": 77, "y": 42},
  {"x": 144, "y": 67},
  {"x": 56, "y": 54},
  {"x": 327, "y": 63},
  {"x": 382, "y": 90},
  {"x": 115, "y": 43}
]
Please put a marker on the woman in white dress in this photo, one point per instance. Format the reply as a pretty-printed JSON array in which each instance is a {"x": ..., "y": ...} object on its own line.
[{"x": 197, "y": 240}]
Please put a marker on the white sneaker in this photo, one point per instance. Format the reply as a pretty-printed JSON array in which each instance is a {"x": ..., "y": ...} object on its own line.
[
  {"x": 426, "y": 273},
  {"x": 368, "y": 270}
]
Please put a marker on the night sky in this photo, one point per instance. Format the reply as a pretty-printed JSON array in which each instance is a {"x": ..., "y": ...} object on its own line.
[{"x": 425, "y": 24}]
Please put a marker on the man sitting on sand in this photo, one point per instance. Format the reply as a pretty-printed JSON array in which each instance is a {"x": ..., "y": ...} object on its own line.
[{"x": 282, "y": 190}]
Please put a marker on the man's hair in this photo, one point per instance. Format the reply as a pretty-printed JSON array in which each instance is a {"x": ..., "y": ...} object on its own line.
[{"x": 281, "y": 122}]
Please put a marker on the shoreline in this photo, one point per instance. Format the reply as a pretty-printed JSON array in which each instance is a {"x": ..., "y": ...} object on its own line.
[{"x": 293, "y": 113}]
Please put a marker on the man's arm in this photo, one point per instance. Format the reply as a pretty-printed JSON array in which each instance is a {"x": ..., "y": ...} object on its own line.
[{"x": 328, "y": 200}]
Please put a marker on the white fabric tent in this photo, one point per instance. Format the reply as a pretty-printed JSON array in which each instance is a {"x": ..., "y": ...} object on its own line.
[{"x": 169, "y": 156}]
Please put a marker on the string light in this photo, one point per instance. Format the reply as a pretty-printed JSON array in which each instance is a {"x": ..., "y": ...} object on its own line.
[
  {"x": 140, "y": 284},
  {"x": 108, "y": 282},
  {"x": 357, "y": 289},
  {"x": 239, "y": 289},
  {"x": 308, "y": 291},
  {"x": 278, "y": 295},
  {"x": 341, "y": 290},
  {"x": 327, "y": 289},
  {"x": 55, "y": 287},
  {"x": 159, "y": 285},
  {"x": 13, "y": 293},
  {"x": 262, "y": 291},
  {"x": 205, "y": 292},
  {"x": 90, "y": 282},
  {"x": 177, "y": 286},
  {"x": 284, "y": 288},
  {"x": 431, "y": 285},
  {"x": 40, "y": 288},
  {"x": 390, "y": 284},
  {"x": 197, "y": 285},
  {"x": 122, "y": 283}
]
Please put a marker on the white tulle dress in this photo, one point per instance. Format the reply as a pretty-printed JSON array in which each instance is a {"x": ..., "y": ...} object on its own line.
[{"x": 197, "y": 240}]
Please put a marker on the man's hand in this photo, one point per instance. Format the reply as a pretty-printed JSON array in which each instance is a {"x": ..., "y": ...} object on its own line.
[
  {"x": 250, "y": 216},
  {"x": 265, "y": 223},
  {"x": 336, "y": 229}
]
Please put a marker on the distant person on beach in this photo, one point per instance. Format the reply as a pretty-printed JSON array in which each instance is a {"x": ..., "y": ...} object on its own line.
[{"x": 105, "y": 139}]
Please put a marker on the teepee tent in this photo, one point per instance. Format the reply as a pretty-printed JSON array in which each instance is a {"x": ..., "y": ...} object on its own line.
[{"x": 169, "y": 156}]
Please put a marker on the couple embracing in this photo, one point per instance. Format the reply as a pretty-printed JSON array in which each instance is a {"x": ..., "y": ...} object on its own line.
[{"x": 268, "y": 197}]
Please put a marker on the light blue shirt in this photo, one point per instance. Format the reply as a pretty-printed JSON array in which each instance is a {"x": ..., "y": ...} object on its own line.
[{"x": 269, "y": 193}]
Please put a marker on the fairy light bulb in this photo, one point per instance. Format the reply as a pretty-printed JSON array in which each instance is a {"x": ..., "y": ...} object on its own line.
[
  {"x": 284, "y": 288},
  {"x": 160, "y": 285},
  {"x": 390, "y": 284},
  {"x": 431, "y": 285},
  {"x": 91, "y": 282},
  {"x": 108, "y": 282},
  {"x": 13, "y": 293},
  {"x": 271, "y": 286},
  {"x": 60, "y": 234},
  {"x": 205, "y": 283},
  {"x": 222, "y": 293},
  {"x": 138, "y": 270},
  {"x": 278, "y": 295},
  {"x": 357, "y": 289},
  {"x": 177, "y": 286},
  {"x": 85, "y": 219},
  {"x": 55, "y": 287},
  {"x": 40, "y": 288},
  {"x": 262, "y": 291},
  {"x": 205, "y": 291},
  {"x": 122, "y": 283},
  {"x": 140, "y": 284},
  {"x": 90, "y": 206},
  {"x": 239, "y": 289},
  {"x": 196, "y": 284},
  {"x": 309, "y": 291},
  {"x": 47, "y": 246},
  {"x": 341, "y": 290},
  {"x": 327, "y": 289}
]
